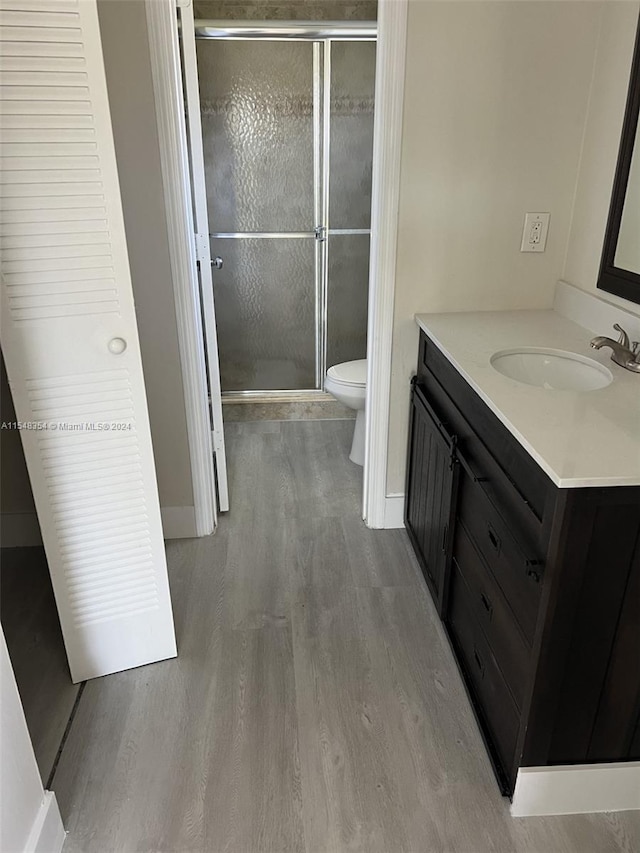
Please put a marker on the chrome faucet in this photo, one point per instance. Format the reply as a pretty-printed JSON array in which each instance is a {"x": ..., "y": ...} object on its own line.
[{"x": 625, "y": 354}]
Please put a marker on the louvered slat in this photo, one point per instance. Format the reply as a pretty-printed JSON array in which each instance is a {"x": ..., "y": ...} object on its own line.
[
  {"x": 44, "y": 252},
  {"x": 42, "y": 5},
  {"x": 48, "y": 135},
  {"x": 36, "y": 63},
  {"x": 37, "y": 16},
  {"x": 62, "y": 33},
  {"x": 42, "y": 106},
  {"x": 17, "y": 241},
  {"x": 59, "y": 50}
]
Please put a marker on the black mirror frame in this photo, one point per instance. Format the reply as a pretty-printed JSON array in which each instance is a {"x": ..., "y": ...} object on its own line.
[{"x": 613, "y": 279}]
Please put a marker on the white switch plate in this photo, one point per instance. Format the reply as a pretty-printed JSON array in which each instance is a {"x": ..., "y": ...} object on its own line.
[{"x": 534, "y": 233}]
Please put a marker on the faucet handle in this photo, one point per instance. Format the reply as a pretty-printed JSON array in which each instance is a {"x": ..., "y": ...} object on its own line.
[
  {"x": 635, "y": 349},
  {"x": 624, "y": 337}
]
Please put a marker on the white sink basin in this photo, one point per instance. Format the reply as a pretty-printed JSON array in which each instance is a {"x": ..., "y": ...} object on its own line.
[{"x": 551, "y": 368}]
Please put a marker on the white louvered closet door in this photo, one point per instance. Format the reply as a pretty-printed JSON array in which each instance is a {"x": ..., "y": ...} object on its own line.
[{"x": 70, "y": 341}]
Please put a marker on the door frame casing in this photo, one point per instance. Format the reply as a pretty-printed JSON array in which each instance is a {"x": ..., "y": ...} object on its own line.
[
  {"x": 378, "y": 509},
  {"x": 194, "y": 141},
  {"x": 176, "y": 180},
  {"x": 322, "y": 39},
  {"x": 389, "y": 90}
]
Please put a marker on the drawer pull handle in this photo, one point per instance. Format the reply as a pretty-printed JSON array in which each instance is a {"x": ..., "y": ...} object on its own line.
[
  {"x": 533, "y": 571},
  {"x": 478, "y": 661},
  {"x": 487, "y": 604},
  {"x": 493, "y": 537}
]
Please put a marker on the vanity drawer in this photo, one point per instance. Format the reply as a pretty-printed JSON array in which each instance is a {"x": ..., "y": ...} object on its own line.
[
  {"x": 515, "y": 565},
  {"x": 493, "y": 615},
  {"x": 494, "y": 703}
]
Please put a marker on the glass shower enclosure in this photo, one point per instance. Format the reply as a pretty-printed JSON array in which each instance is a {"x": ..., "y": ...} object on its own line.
[{"x": 287, "y": 125}]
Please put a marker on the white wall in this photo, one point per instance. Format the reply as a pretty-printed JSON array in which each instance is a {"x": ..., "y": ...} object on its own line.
[
  {"x": 600, "y": 150},
  {"x": 130, "y": 86},
  {"x": 29, "y": 817},
  {"x": 496, "y": 97},
  {"x": 22, "y": 791}
]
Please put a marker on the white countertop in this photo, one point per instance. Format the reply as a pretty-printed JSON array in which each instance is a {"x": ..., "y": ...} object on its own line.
[{"x": 579, "y": 439}]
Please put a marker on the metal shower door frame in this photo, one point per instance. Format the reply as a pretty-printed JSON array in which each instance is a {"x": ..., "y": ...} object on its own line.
[{"x": 322, "y": 35}]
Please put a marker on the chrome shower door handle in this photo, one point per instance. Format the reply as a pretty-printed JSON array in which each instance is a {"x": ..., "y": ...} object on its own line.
[{"x": 216, "y": 263}]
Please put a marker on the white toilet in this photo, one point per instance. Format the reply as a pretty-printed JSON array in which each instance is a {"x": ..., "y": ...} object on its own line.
[{"x": 347, "y": 382}]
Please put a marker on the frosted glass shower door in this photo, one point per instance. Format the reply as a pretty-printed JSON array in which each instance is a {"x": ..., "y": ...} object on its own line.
[
  {"x": 266, "y": 312},
  {"x": 257, "y": 107}
]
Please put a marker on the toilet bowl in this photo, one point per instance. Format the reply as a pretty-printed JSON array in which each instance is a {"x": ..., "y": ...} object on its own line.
[{"x": 347, "y": 382}]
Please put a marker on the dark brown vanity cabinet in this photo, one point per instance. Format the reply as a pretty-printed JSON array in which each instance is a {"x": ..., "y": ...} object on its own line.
[{"x": 538, "y": 587}]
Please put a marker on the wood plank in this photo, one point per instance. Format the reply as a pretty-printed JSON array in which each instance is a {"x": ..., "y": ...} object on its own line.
[
  {"x": 351, "y": 799},
  {"x": 326, "y": 482},
  {"x": 437, "y": 750},
  {"x": 379, "y": 558},
  {"x": 253, "y": 799}
]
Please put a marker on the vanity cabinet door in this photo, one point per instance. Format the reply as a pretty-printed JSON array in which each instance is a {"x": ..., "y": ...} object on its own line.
[{"x": 432, "y": 475}]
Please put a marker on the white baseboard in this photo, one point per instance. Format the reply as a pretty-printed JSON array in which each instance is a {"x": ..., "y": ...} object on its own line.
[
  {"x": 577, "y": 789},
  {"x": 47, "y": 833},
  {"x": 21, "y": 529},
  {"x": 394, "y": 511},
  {"x": 178, "y": 522}
]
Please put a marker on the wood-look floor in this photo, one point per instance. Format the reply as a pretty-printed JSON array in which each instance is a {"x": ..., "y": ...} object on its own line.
[
  {"x": 315, "y": 705},
  {"x": 34, "y": 640}
]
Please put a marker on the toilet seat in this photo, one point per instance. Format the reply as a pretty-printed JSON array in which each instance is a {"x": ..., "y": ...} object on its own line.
[{"x": 350, "y": 373}]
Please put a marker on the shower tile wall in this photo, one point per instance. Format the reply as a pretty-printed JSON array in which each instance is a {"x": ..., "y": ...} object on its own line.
[
  {"x": 302, "y": 10},
  {"x": 352, "y": 92},
  {"x": 351, "y": 141}
]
